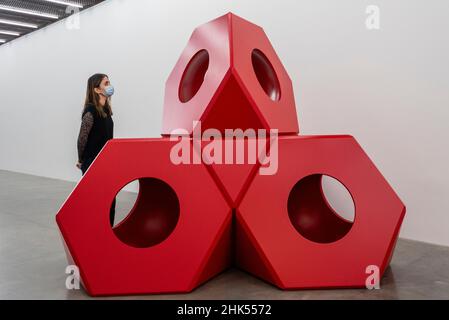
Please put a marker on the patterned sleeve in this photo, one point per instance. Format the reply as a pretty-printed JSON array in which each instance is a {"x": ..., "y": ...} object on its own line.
[{"x": 86, "y": 125}]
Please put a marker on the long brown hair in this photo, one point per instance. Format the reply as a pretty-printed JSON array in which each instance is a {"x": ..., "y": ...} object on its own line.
[{"x": 93, "y": 98}]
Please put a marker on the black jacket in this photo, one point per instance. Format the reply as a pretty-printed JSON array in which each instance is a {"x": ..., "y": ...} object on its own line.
[{"x": 102, "y": 131}]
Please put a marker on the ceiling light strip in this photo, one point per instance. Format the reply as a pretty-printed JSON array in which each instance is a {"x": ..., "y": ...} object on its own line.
[
  {"x": 66, "y": 3},
  {"x": 29, "y": 12},
  {"x": 19, "y": 24},
  {"x": 10, "y": 33}
]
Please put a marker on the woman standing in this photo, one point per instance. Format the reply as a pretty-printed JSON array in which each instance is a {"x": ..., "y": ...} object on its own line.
[{"x": 97, "y": 126}]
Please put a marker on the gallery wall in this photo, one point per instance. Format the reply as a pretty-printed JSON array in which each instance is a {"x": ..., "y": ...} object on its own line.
[{"x": 388, "y": 87}]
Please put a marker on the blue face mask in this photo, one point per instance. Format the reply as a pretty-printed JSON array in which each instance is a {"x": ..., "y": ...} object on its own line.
[{"x": 109, "y": 91}]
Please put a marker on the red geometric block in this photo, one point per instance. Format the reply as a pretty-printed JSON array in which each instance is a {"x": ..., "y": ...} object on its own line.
[
  {"x": 286, "y": 232},
  {"x": 177, "y": 236},
  {"x": 235, "y": 177},
  {"x": 229, "y": 76}
]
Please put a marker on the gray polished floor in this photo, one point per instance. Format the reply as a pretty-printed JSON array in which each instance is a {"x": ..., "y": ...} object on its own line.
[{"x": 33, "y": 262}]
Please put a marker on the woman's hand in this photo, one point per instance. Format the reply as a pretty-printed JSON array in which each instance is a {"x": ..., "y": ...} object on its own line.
[{"x": 78, "y": 165}]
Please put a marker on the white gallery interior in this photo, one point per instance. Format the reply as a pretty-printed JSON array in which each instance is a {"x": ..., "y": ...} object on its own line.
[{"x": 387, "y": 87}]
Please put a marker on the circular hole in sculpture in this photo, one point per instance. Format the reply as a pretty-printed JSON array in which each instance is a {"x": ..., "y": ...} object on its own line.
[
  {"x": 152, "y": 217},
  {"x": 193, "y": 76},
  {"x": 125, "y": 200},
  {"x": 321, "y": 208},
  {"x": 266, "y": 75}
]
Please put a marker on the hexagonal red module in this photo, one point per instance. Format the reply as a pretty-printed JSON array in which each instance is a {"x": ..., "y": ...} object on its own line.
[
  {"x": 229, "y": 76},
  {"x": 177, "y": 236},
  {"x": 286, "y": 232}
]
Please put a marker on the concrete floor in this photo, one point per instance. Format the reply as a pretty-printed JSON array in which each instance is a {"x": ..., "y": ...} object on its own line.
[{"x": 33, "y": 262}]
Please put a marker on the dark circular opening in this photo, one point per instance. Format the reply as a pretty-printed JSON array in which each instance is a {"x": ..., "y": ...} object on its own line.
[
  {"x": 153, "y": 217},
  {"x": 266, "y": 75},
  {"x": 193, "y": 76},
  {"x": 311, "y": 213}
]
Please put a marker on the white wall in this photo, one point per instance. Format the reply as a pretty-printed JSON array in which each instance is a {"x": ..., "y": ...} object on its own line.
[{"x": 389, "y": 87}]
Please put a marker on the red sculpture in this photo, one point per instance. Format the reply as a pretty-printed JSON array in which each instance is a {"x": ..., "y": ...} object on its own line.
[
  {"x": 176, "y": 237},
  {"x": 288, "y": 235},
  {"x": 192, "y": 219},
  {"x": 245, "y": 86}
]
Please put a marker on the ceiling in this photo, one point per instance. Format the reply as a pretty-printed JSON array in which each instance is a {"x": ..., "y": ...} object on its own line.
[{"x": 20, "y": 17}]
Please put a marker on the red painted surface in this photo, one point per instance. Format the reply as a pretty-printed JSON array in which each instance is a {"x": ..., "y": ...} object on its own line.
[
  {"x": 272, "y": 247},
  {"x": 234, "y": 179},
  {"x": 245, "y": 85},
  {"x": 182, "y": 231},
  {"x": 193, "y": 249}
]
